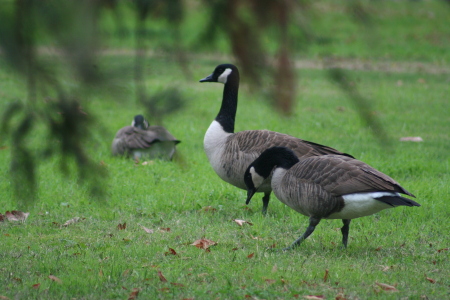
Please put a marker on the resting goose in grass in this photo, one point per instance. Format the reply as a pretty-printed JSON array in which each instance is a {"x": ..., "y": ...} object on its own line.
[
  {"x": 143, "y": 141},
  {"x": 325, "y": 187},
  {"x": 230, "y": 153}
]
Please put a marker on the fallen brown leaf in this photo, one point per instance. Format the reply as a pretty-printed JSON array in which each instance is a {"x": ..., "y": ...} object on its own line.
[
  {"x": 164, "y": 229},
  {"x": 203, "y": 243},
  {"x": 55, "y": 279},
  {"x": 208, "y": 209},
  {"x": 134, "y": 293},
  {"x": 177, "y": 284},
  {"x": 386, "y": 287},
  {"x": 443, "y": 249},
  {"x": 340, "y": 296},
  {"x": 72, "y": 221},
  {"x": 16, "y": 215},
  {"x": 36, "y": 286},
  {"x": 250, "y": 255},
  {"x": 242, "y": 222},
  {"x": 161, "y": 277},
  {"x": 2, "y": 218},
  {"x": 122, "y": 226},
  {"x": 325, "y": 277},
  {"x": 430, "y": 279},
  {"x": 171, "y": 252}
]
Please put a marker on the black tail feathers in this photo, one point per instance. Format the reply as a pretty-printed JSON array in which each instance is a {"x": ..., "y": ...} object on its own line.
[{"x": 397, "y": 201}]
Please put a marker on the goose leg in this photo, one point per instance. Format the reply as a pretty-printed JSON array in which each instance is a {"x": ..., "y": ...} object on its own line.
[
  {"x": 345, "y": 230},
  {"x": 312, "y": 225},
  {"x": 265, "y": 201}
]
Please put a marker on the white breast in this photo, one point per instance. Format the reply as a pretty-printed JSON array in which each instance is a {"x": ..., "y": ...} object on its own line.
[{"x": 214, "y": 144}]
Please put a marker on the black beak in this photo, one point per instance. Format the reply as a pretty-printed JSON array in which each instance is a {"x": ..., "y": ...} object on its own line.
[
  {"x": 250, "y": 194},
  {"x": 208, "y": 78}
]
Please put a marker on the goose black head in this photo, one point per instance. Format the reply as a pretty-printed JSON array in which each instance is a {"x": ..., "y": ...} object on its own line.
[
  {"x": 222, "y": 73},
  {"x": 140, "y": 122},
  {"x": 262, "y": 167}
]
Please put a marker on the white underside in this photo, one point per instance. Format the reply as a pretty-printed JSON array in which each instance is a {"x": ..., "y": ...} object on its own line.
[{"x": 361, "y": 205}]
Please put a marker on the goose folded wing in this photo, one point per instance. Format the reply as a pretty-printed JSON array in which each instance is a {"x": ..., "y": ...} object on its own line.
[
  {"x": 139, "y": 139},
  {"x": 259, "y": 140},
  {"x": 341, "y": 175}
]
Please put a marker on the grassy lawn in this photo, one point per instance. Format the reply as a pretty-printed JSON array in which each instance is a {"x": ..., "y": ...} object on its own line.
[{"x": 182, "y": 201}]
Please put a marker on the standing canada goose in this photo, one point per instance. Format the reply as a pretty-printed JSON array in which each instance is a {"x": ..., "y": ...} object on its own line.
[
  {"x": 325, "y": 187},
  {"x": 141, "y": 140},
  {"x": 230, "y": 153}
]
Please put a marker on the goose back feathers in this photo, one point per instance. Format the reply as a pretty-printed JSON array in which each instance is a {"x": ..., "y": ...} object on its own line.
[
  {"x": 230, "y": 153},
  {"x": 143, "y": 141},
  {"x": 325, "y": 187}
]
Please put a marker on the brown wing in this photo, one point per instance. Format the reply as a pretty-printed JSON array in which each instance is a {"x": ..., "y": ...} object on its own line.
[
  {"x": 260, "y": 140},
  {"x": 129, "y": 138},
  {"x": 341, "y": 175}
]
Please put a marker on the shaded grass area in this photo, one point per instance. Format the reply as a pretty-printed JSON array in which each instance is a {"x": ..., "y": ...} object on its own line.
[
  {"x": 382, "y": 30},
  {"x": 96, "y": 260}
]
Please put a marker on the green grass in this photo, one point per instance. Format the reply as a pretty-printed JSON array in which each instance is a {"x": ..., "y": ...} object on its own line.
[{"x": 95, "y": 260}]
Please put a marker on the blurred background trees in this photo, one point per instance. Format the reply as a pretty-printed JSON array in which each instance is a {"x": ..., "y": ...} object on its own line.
[{"x": 56, "y": 48}]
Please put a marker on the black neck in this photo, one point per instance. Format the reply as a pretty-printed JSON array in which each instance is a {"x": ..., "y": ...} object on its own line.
[
  {"x": 227, "y": 112},
  {"x": 275, "y": 156}
]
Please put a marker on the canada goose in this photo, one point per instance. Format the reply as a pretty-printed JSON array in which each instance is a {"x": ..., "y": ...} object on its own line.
[
  {"x": 141, "y": 140},
  {"x": 230, "y": 153},
  {"x": 325, "y": 187}
]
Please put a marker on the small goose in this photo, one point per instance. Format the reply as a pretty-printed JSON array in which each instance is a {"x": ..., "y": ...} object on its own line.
[
  {"x": 141, "y": 140},
  {"x": 325, "y": 187},
  {"x": 230, "y": 153}
]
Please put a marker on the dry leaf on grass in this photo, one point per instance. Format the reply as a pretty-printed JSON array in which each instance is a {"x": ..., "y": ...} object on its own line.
[
  {"x": 325, "y": 277},
  {"x": 161, "y": 277},
  {"x": 36, "y": 286},
  {"x": 208, "y": 209},
  {"x": 2, "y": 218},
  {"x": 134, "y": 293},
  {"x": 16, "y": 215},
  {"x": 72, "y": 221},
  {"x": 411, "y": 139},
  {"x": 55, "y": 279},
  {"x": 148, "y": 230},
  {"x": 312, "y": 297},
  {"x": 250, "y": 255},
  {"x": 203, "y": 243},
  {"x": 171, "y": 252},
  {"x": 242, "y": 222},
  {"x": 430, "y": 279},
  {"x": 386, "y": 287},
  {"x": 122, "y": 226}
]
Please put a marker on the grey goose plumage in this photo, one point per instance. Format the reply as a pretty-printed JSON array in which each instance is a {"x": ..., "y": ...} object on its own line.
[
  {"x": 143, "y": 141},
  {"x": 325, "y": 187},
  {"x": 230, "y": 153}
]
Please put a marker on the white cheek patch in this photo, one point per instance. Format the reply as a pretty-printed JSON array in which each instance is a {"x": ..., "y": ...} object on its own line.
[
  {"x": 223, "y": 77},
  {"x": 256, "y": 178}
]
